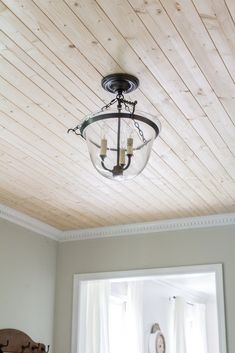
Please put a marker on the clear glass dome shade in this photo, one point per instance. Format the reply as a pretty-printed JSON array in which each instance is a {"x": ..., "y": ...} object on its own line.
[{"x": 120, "y": 144}]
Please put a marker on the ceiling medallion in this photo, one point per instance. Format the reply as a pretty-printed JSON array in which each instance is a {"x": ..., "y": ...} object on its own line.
[{"x": 119, "y": 139}]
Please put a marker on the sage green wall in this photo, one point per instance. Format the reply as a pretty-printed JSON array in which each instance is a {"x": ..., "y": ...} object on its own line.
[
  {"x": 27, "y": 281},
  {"x": 188, "y": 247}
]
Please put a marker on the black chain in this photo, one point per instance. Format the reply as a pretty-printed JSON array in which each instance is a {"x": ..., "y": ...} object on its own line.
[
  {"x": 137, "y": 125},
  {"x": 109, "y": 104},
  {"x": 120, "y": 99},
  {"x": 140, "y": 131},
  {"x": 78, "y": 127}
]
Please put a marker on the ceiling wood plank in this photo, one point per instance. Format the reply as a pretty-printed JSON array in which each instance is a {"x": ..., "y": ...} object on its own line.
[
  {"x": 162, "y": 29},
  {"x": 37, "y": 129},
  {"x": 231, "y": 6},
  {"x": 190, "y": 26},
  {"x": 134, "y": 32},
  {"x": 53, "y": 56},
  {"x": 55, "y": 15},
  {"x": 220, "y": 25},
  {"x": 15, "y": 73}
]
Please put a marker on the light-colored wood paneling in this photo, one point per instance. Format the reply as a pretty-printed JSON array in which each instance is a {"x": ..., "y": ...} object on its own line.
[{"x": 53, "y": 56}]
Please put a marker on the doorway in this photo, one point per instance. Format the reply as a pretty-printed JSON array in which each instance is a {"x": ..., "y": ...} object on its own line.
[{"x": 180, "y": 309}]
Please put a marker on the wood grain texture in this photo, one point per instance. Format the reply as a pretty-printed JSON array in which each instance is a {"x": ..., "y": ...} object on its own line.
[
  {"x": 16, "y": 341},
  {"x": 53, "y": 56}
]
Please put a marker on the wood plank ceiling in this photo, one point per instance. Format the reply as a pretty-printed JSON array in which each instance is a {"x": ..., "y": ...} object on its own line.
[{"x": 53, "y": 56}]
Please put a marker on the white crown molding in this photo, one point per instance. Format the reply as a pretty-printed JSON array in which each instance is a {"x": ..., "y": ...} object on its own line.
[
  {"x": 29, "y": 222},
  {"x": 115, "y": 231},
  {"x": 151, "y": 227}
]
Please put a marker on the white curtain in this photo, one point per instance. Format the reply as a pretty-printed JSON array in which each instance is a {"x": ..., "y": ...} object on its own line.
[
  {"x": 177, "y": 320},
  {"x": 196, "y": 328},
  {"x": 94, "y": 322},
  {"x": 187, "y": 327},
  {"x": 134, "y": 318},
  {"x": 94, "y": 332}
]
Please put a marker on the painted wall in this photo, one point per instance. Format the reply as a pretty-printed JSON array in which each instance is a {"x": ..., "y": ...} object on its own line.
[
  {"x": 187, "y": 247},
  {"x": 156, "y": 310},
  {"x": 27, "y": 282}
]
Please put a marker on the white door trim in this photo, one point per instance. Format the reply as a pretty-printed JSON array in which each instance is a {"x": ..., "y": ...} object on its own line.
[{"x": 217, "y": 269}]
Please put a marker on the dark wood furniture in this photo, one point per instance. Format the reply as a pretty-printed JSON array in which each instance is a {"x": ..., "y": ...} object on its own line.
[{"x": 16, "y": 341}]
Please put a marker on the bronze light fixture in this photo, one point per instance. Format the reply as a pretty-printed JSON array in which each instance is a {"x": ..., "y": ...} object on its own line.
[{"x": 119, "y": 139}]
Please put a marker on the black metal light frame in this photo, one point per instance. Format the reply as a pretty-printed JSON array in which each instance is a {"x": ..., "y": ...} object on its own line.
[
  {"x": 118, "y": 84},
  {"x": 121, "y": 115}
]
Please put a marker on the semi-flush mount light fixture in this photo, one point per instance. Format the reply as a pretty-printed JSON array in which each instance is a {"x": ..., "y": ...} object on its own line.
[{"x": 119, "y": 140}]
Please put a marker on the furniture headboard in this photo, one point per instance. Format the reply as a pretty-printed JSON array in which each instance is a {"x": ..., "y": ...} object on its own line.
[{"x": 16, "y": 341}]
